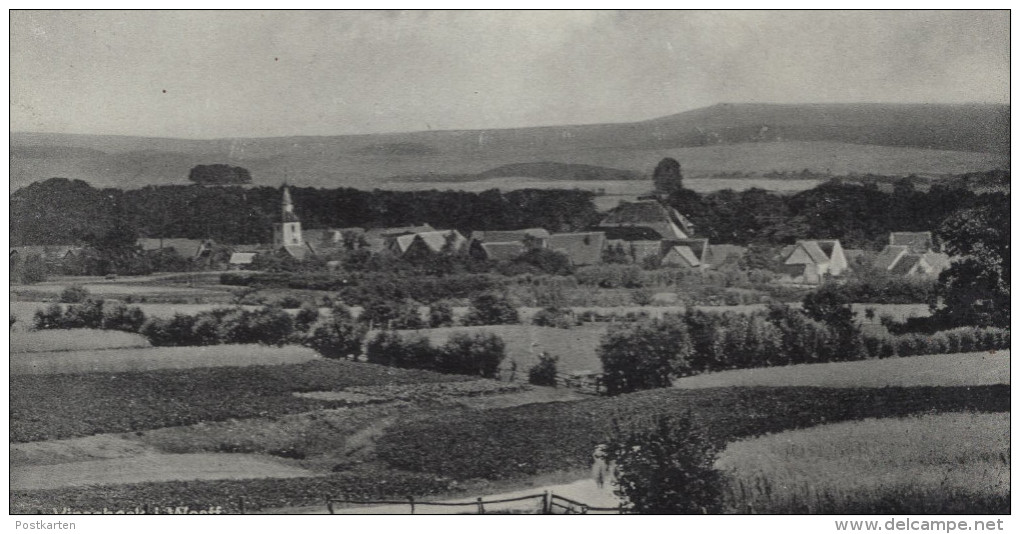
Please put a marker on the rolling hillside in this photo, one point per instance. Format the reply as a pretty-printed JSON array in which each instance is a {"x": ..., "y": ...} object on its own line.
[{"x": 913, "y": 138}]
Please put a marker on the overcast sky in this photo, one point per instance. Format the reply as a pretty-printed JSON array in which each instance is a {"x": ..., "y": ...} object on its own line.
[{"x": 255, "y": 74}]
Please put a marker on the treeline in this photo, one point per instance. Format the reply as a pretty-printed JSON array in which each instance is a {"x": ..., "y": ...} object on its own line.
[
  {"x": 61, "y": 211},
  {"x": 652, "y": 353},
  {"x": 860, "y": 216}
]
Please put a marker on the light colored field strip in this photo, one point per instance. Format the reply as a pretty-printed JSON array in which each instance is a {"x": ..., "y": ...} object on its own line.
[
  {"x": 967, "y": 369},
  {"x": 151, "y": 468},
  {"x": 147, "y": 359}
]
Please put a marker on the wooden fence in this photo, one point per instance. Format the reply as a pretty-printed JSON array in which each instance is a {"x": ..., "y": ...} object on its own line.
[{"x": 550, "y": 504}]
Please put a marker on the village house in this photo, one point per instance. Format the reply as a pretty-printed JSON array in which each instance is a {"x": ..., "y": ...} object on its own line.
[
  {"x": 811, "y": 261},
  {"x": 584, "y": 248},
  {"x": 911, "y": 254},
  {"x": 645, "y": 219}
]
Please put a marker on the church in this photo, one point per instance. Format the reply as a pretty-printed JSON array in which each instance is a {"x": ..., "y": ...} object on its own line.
[{"x": 287, "y": 236}]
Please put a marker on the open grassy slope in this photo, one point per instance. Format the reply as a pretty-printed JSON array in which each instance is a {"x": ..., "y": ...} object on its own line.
[{"x": 926, "y": 139}]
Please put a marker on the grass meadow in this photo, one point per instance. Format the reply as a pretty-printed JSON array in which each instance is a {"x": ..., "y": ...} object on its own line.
[
  {"x": 81, "y": 339},
  {"x": 967, "y": 369},
  {"x": 935, "y": 464},
  {"x": 117, "y": 360}
]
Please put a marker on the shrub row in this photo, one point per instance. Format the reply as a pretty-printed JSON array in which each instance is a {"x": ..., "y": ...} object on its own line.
[
  {"x": 651, "y": 353},
  {"x": 267, "y": 326},
  {"x": 479, "y": 354},
  {"x": 90, "y": 313}
]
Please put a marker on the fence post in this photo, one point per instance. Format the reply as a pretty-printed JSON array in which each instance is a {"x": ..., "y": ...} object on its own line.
[
  {"x": 410, "y": 499},
  {"x": 240, "y": 504},
  {"x": 546, "y": 503},
  {"x": 329, "y": 506},
  {"x": 146, "y": 508},
  {"x": 481, "y": 507}
]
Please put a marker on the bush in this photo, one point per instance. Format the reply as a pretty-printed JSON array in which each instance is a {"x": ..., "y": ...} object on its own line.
[
  {"x": 74, "y": 294},
  {"x": 668, "y": 469},
  {"x": 271, "y": 325},
  {"x": 543, "y": 373},
  {"x": 307, "y": 316},
  {"x": 393, "y": 350},
  {"x": 398, "y": 314},
  {"x": 86, "y": 314},
  {"x": 440, "y": 314},
  {"x": 491, "y": 308},
  {"x": 339, "y": 337},
  {"x": 554, "y": 317},
  {"x": 642, "y": 296},
  {"x": 479, "y": 354},
  {"x": 645, "y": 355},
  {"x": 119, "y": 316},
  {"x": 50, "y": 318},
  {"x": 288, "y": 302}
]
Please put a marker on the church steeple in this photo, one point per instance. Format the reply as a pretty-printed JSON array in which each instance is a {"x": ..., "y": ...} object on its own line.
[{"x": 288, "y": 231}]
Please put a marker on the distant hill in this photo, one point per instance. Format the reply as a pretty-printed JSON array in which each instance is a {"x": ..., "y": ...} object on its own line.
[
  {"x": 965, "y": 137},
  {"x": 545, "y": 170}
]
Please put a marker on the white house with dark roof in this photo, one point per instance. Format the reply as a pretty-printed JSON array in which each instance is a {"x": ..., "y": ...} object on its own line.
[{"x": 810, "y": 261}]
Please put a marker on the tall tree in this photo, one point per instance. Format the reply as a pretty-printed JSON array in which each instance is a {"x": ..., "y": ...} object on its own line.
[
  {"x": 668, "y": 177},
  {"x": 975, "y": 288}
]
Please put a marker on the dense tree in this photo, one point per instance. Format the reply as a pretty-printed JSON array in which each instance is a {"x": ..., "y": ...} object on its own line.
[
  {"x": 668, "y": 468},
  {"x": 645, "y": 355},
  {"x": 491, "y": 308},
  {"x": 975, "y": 288},
  {"x": 667, "y": 176},
  {"x": 219, "y": 174}
]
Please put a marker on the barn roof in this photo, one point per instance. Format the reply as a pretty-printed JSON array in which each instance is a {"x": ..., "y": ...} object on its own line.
[
  {"x": 699, "y": 247},
  {"x": 906, "y": 263},
  {"x": 242, "y": 258},
  {"x": 815, "y": 251},
  {"x": 718, "y": 254},
  {"x": 652, "y": 214},
  {"x": 629, "y": 233},
  {"x": 503, "y": 251},
  {"x": 187, "y": 248},
  {"x": 919, "y": 242},
  {"x": 505, "y": 236},
  {"x": 937, "y": 260},
  {"x": 582, "y": 248},
  {"x": 889, "y": 256},
  {"x": 681, "y": 255}
]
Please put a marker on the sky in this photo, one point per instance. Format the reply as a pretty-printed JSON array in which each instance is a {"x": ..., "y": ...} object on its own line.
[{"x": 214, "y": 74}]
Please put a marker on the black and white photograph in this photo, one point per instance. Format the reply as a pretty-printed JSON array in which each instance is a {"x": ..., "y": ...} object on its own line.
[{"x": 466, "y": 262}]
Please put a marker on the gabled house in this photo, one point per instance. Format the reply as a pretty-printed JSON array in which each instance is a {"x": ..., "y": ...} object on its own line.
[
  {"x": 911, "y": 254},
  {"x": 189, "y": 249},
  {"x": 434, "y": 241},
  {"x": 810, "y": 261},
  {"x": 241, "y": 260},
  {"x": 499, "y": 251},
  {"x": 685, "y": 252},
  {"x": 649, "y": 215},
  {"x": 583, "y": 248},
  {"x": 507, "y": 236}
]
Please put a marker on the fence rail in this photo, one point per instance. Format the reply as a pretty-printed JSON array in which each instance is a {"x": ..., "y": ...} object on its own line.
[{"x": 550, "y": 502}]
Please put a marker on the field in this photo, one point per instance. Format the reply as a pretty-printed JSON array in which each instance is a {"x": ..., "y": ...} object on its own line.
[
  {"x": 975, "y": 368},
  {"x": 947, "y": 463},
  {"x": 149, "y": 468},
  {"x": 115, "y": 360},
  {"x": 73, "y": 340},
  {"x": 132, "y": 401},
  {"x": 524, "y": 343}
]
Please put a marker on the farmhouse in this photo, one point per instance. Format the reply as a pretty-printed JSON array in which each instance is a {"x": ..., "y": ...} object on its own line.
[
  {"x": 581, "y": 248},
  {"x": 810, "y": 261},
  {"x": 434, "y": 241},
  {"x": 649, "y": 219},
  {"x": 911, "y": 254}
]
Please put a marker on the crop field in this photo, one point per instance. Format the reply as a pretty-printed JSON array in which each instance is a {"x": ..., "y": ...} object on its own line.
[
  {"x": 539, "y": 438},
  {"x": 967, "y": 369},
  {"x": 946, "y": 463},
  {"x": 153, "y": 358},
  {"x": 95, "y": 403},
  {"x": 113, "y": 290},
  {"x": 82, "y": 339},
  {"x": 524, "y": 343},
  {"x": 152, "y": 468}
]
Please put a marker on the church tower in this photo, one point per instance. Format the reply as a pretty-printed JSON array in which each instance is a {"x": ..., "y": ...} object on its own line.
[{"x": 288, "y": 231}]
